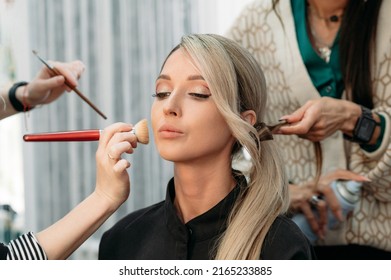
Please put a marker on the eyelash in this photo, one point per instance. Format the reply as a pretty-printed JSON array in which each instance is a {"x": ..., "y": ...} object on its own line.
[{"x": 162, "y": 95}]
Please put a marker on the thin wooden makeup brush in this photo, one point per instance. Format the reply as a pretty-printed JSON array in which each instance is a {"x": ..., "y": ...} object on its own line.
[
  {"x": 140, "y": 130},
  {"x": 55, "y": 72}
]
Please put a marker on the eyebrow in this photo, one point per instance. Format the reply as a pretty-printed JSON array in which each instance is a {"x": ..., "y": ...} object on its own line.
[{"x": 190, "y": 78}]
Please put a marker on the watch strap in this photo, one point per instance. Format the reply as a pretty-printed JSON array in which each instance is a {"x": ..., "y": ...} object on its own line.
[
  {"x": 367, "y": 118},
  {"x": 18, "y": 106}
]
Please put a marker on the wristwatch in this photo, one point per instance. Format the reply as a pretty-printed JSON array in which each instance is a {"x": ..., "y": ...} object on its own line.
[{"x": 364, "y": 128}]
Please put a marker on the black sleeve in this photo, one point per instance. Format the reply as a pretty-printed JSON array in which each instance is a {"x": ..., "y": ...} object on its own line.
[{"x": 285, "y": 241}]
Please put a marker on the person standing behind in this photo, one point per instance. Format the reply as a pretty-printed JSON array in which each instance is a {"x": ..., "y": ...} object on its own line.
[{"x": 327, "y": 65}]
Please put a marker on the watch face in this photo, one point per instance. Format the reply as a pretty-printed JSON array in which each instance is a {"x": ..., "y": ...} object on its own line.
[{"x": 365, "y": 130}]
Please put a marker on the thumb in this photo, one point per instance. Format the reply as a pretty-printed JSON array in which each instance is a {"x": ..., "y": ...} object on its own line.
[{"x": 296, "y": 116}]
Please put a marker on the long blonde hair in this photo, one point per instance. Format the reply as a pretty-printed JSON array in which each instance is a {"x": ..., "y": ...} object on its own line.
[{"x": 238, "y": 84}]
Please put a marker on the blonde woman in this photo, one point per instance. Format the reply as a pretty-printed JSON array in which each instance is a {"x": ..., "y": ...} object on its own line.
[{"x": 210, "y": 101}]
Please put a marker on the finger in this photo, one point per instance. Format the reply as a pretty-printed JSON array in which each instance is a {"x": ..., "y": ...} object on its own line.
[
  {"x": 310, "y": 216},
  {"x": 109, "y": 131},
  {"x": 302, "y": 120},
  {"x": 297, "y": 115},
  {"x": 115, "y": 151},
  {"x": 332, "y": 202},
  {"x": 44, "y": 85},
  {"x": 299, "y": 128},
  {"x": 322, "y": 211},
  {"x": 121, "y": 166},
  {"x": 297, "y": 198},
  {"x": 343, "y": 174},
  {"x": 71, "y": 71},
  {"x": 127, "y": 136}
]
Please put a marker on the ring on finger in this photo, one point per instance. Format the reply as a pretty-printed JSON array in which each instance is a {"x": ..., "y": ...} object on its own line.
[
  {"x": 314, "y": 200},
  {"x": 111, "y": 157}
]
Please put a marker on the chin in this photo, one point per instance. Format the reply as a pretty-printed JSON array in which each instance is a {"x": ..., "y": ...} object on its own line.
[{"x": 171, "y": 157}]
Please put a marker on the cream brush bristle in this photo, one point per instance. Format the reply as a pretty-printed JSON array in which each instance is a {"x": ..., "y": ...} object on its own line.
[{"x": 141, "y": 131}]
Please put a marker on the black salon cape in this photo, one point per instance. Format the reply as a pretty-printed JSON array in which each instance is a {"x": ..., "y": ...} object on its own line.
[
  {"x": 3, "y": 251},
  {"x": 156, "y": 233}
]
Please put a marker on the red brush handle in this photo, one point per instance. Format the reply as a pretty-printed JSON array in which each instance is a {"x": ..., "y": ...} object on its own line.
[{"x": 63, "y": 136}]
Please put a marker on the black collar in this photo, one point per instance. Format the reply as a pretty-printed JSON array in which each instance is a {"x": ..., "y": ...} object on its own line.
[{"x": 207, "y": 225}]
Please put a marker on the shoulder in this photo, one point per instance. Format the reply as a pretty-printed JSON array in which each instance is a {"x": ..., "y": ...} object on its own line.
[
  {"x": 115, "y": 244},
  {"x": 139, "y": 216},
  {"x": 286, "y": 241},
  {"x": 260, "y": 17},
  {"x": 247, "y": 15}
]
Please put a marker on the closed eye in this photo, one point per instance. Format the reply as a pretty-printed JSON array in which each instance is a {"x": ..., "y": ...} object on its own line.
[
  {"x": 199, "y": 95},
  {"x": 161, "y": 95}
]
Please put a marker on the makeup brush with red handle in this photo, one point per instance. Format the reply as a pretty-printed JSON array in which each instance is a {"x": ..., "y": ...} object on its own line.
[{"x": 140, "y": 130}]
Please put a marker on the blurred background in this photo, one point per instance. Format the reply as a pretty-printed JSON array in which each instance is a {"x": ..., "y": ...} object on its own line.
[{"x": 123, "y": 44}]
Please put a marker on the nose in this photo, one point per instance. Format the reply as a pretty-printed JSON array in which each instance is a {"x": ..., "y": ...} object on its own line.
[{"x": 172, "y": 105}]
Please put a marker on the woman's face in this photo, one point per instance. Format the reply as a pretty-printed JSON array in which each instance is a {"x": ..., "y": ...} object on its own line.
[{"x": 186, "y": 123}]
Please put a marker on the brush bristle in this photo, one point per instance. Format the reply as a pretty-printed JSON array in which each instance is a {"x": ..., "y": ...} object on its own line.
[{"x": 141, "y": 131}]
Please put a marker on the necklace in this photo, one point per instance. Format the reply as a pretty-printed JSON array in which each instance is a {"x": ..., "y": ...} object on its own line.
[
  {"x": 322, "y": 48},
  {"x": 325, "y": 53}
]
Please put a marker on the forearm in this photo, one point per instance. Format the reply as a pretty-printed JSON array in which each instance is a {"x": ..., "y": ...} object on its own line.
[{"x": 62, "y": 238}]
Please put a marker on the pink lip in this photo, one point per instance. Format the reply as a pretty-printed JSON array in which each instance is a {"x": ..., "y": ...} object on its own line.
[{"x": 169, "y": 131}]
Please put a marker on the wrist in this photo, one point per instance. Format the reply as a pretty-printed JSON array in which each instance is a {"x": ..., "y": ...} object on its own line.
[
  {"x": 353, "y": 113},
  {"x": 366, "y": 129},
  {"x": 377, "y": 131},
  {"x": 107, "y": 202},
  {"x": 17, "y": 95}
]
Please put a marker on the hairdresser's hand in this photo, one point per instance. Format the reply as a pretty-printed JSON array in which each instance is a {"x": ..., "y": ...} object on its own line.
[
  {"x": 318, "y": 221},
  {"x": 46, "y": 88},
  {"x": 300, "y": 201},
  {"x": 325, "y": 190},
  {"x": 320, "y": 118},
  {"x": 112, "y": 179}
]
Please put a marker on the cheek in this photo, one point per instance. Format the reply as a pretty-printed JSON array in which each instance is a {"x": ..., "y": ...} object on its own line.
[
  {"x": 216, "y": 132},
  {"x": 154, "y": 116}
]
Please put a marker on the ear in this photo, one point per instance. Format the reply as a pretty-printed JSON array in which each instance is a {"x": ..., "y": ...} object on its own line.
[{"x": 249, "y": 116}]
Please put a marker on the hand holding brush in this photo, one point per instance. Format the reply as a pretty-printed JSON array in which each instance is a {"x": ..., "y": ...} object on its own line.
[
  {"x": 140, "y": 130},
  {"x": 55, "y": 72}
]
